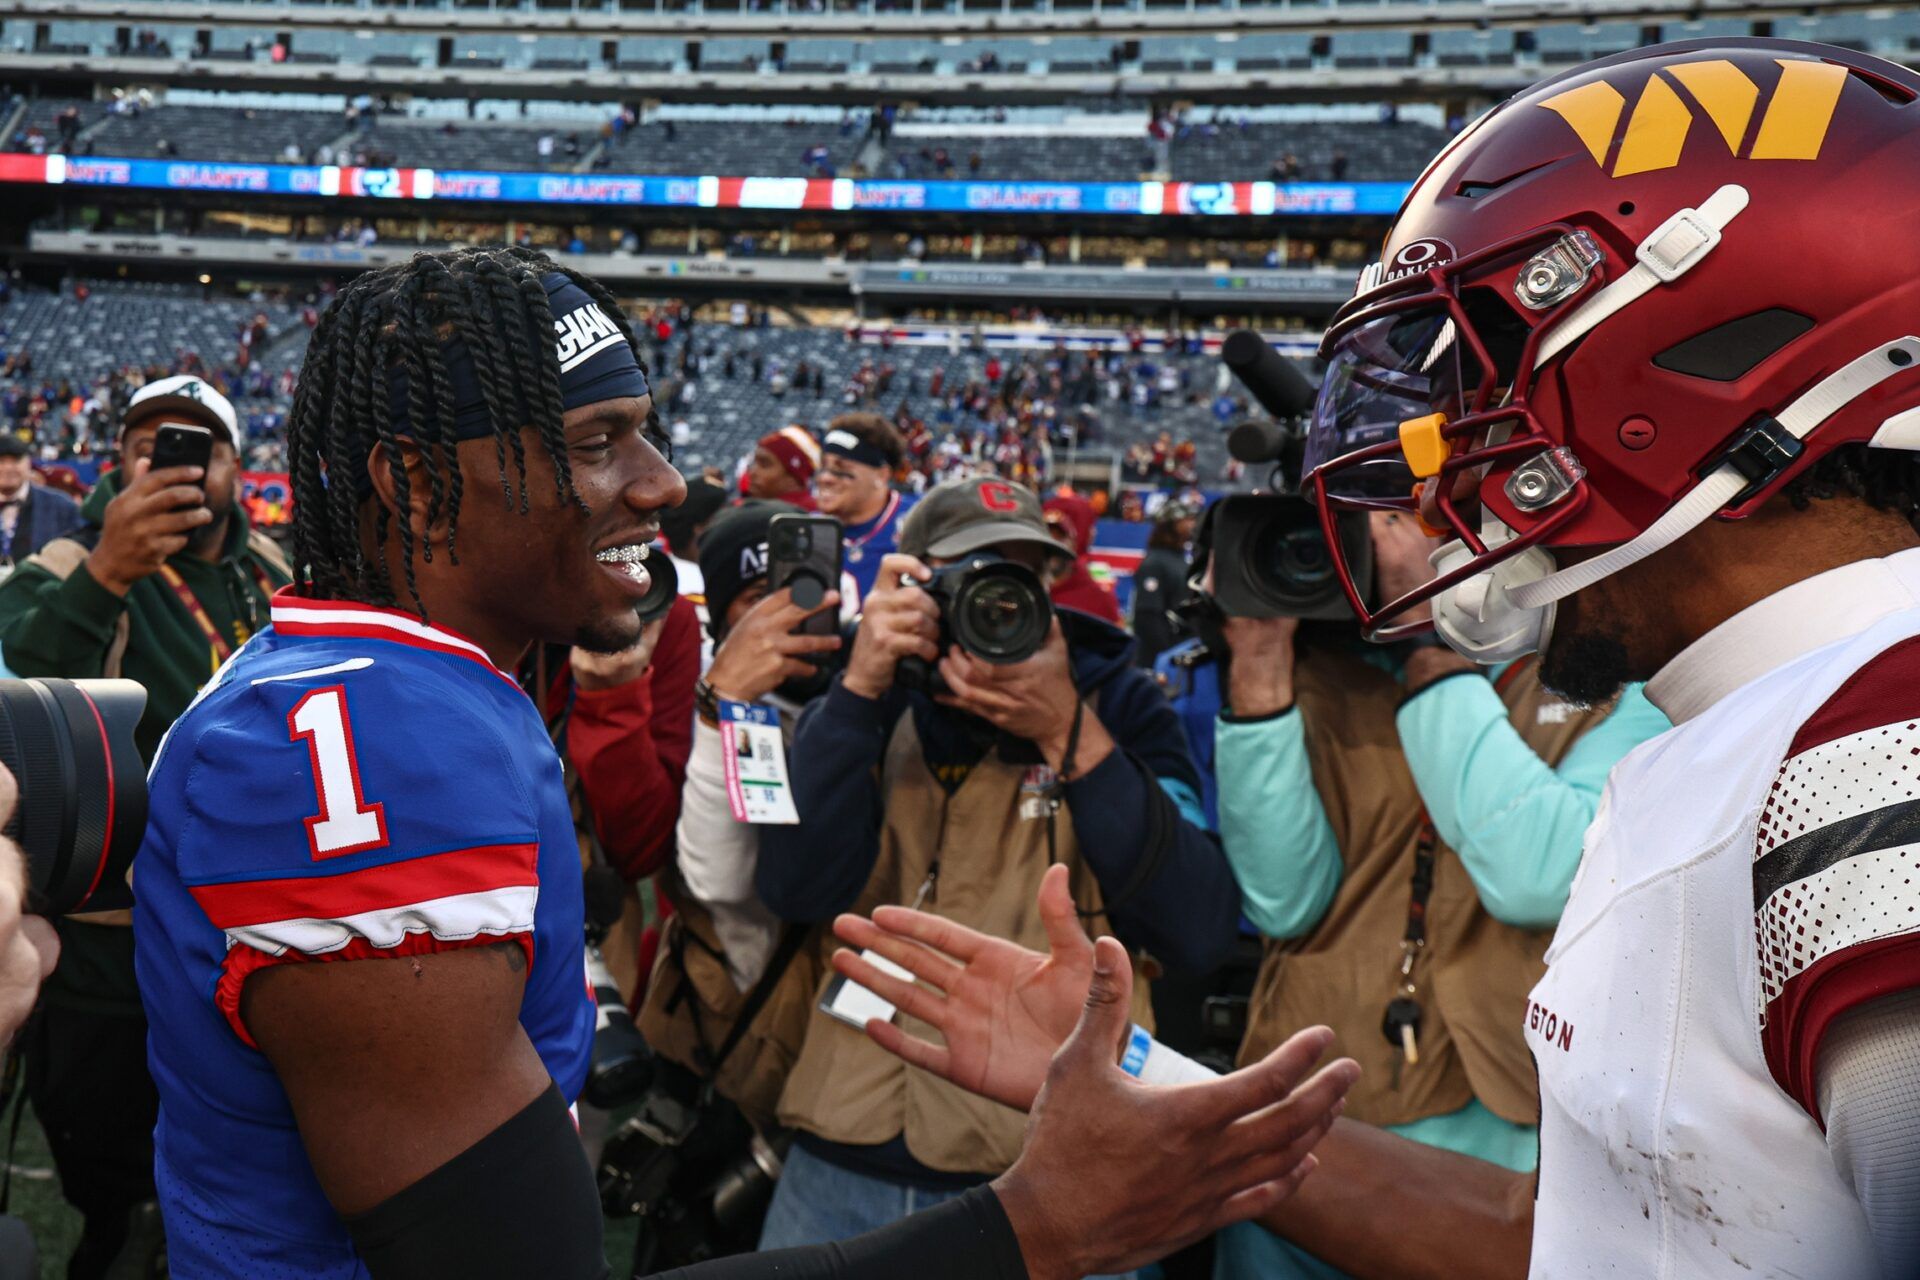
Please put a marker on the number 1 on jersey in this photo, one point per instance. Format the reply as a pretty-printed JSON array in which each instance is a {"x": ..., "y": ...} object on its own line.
[{"x": 346, "y": 823}]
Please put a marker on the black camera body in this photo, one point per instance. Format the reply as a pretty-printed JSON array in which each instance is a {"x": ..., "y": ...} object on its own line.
[
  {"x": 994, "y": 608},
  {"x": 693, "y": 1169},
  {"x": 1269, "y": 554},
  {"x": 1270, "y": 558}
]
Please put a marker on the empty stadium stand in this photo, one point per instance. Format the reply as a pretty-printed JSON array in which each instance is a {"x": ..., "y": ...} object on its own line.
[{"x": 127, "y": 323}]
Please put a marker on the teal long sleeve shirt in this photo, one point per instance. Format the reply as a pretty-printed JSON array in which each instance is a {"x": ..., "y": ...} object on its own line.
[{"x": 1516, "y": 822}]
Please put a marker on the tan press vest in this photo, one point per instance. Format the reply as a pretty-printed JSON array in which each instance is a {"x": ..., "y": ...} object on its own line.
[
  {"x": 1473, "y": 975},
  {"x": 846, "y": 1089}
]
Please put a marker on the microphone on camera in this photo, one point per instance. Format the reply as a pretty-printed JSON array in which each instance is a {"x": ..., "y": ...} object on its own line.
[
  {"x": 1272, "y": 379},
  {"x": 1277, "y": 383}
]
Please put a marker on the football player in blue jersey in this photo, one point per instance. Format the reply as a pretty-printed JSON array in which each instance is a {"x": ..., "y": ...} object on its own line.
[
  {"x": 359, "y": 919},
  {"x": 473, "y": 472}
]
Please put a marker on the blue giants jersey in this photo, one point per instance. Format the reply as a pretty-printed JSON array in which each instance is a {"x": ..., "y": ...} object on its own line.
[
  {"x": 864, "y": 546},
  {"x": 354, "y": 783}
]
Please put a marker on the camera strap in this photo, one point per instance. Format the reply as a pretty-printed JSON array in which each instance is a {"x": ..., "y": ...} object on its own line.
[
  {"x": 1401, "y": 1023},
  {"x": 12, "y": 1097},
  {"x": 791, "y": 940}
]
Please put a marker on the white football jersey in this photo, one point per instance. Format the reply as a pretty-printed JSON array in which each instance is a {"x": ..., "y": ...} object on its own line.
[{"x": 1750, "y": 875}]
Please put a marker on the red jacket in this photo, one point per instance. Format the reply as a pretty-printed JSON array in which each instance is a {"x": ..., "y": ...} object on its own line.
[
  {"x": 1076, "y": 589},
  {"x": 630, "y": 744}
]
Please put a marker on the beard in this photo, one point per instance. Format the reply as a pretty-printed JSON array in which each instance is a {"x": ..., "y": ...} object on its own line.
[
  {"x": 1587, "y": 668},
  {"x": 212, "y": 534},
  {"x": 612, "y": 634}
]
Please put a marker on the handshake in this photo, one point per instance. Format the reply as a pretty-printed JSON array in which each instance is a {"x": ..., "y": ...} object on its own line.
[{"x": 1151, "y": 1168}]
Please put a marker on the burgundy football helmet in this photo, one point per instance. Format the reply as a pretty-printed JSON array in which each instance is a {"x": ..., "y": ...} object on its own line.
[{"x": 1641, "y": 294}]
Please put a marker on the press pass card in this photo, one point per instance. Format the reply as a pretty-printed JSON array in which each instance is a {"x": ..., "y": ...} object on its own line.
[{"x": 755, "y": 757}]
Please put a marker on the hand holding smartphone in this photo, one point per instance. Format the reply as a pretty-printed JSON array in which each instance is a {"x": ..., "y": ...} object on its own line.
[
  {"x": 180, "y": 444},
  {"x": 803, "y": 552}
]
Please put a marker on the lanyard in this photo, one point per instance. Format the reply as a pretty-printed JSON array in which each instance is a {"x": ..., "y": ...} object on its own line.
[
  {"x": 1403, "y": 1016},
  {"x": 893, "y": 504},
  {"x": 1415, "y": 936},
  {"x": 221, "y": 649},
  {"x": 9, "y": 530}
]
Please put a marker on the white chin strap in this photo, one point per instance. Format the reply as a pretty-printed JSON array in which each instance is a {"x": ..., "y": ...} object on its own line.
[
  {"x": 1719, "y": 488},
  {"x": 1507, "y": 611}
]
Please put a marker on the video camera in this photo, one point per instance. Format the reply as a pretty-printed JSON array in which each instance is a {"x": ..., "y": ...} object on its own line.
[
  {"x": 1269, "y": 555},
  {"x": 82, "y": 807},
  {"x": 996, "y": 609}
]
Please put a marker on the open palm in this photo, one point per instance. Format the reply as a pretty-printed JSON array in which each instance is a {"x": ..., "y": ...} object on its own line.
[{"x": 1003, "y": 1010}]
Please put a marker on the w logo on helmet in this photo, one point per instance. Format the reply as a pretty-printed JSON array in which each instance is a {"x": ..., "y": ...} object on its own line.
[{"x": 1793, "y": 127}]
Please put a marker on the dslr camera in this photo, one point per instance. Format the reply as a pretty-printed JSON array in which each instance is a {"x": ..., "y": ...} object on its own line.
[
  {"x": 82, "y": 807},
  {"x": 994, "y": 608}
]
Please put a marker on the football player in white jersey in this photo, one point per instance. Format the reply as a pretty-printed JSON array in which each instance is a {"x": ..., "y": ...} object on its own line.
[{"x": 1647, "y": 338}]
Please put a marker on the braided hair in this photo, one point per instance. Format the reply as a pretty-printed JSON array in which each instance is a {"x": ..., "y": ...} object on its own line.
[
  {"x": 1885, "y": 479},
  {"x": 396, "y": 319}
]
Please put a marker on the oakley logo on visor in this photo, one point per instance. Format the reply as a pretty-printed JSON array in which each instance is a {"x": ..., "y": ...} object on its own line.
[
  {"x": 1794, "y": 126},
  {"x": 583, "y": 334}
]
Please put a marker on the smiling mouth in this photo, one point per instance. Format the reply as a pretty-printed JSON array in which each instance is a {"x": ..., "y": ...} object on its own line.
[{"x": 632, "y": 557}]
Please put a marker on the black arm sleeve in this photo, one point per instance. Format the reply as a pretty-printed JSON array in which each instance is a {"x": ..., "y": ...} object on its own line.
[
  {"x": 520, "y": 1202},
  {"x": 964, "y": 1239}
]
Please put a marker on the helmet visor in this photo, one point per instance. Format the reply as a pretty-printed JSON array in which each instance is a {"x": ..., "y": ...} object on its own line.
[{"x": 1406, "y": 364}]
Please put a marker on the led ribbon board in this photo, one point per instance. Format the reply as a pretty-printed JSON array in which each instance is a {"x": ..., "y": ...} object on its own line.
[{"x": 1146, "y": 199}]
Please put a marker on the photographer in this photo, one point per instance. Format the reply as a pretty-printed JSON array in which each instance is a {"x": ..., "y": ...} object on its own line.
[
  {"x": 1347, "y": 806},
  {"x": 721, "y": 938},
  {"x": 952, "y": 800},
  {"x": 164, "y": 582}
]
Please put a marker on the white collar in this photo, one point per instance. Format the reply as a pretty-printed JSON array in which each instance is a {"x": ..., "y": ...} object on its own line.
[{"x": 1772, "y": 632}]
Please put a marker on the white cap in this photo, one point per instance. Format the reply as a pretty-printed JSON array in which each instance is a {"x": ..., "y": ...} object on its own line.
[{"x": 186, "y": 395}]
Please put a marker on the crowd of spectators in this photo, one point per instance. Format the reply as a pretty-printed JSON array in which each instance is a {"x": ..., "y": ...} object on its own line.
[{"x": 965, "y": 409}]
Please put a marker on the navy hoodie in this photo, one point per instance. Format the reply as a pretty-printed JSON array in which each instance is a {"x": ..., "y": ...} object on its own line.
[{"x": 1186, "y": 915}]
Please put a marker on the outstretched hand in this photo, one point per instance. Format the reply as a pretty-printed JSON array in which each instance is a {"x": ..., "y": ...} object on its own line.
[
  {"x": 1003, "y": 1010},
  {"x": 1115, "y": 1173}
]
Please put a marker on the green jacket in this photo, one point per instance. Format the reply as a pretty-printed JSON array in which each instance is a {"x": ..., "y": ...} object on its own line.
[{"x": 56, "y": 622}]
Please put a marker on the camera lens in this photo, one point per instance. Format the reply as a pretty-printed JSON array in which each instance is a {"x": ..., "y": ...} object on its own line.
[
  {"x": 83, "y": 789},
  {"x": 1290, "y": 559},
  {"x": 1001, "y": 613},
  {"x": 789, "y": 537}
]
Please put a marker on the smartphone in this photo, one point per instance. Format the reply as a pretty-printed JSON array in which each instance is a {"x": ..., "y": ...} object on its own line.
[
  {"x": 803, "y": 552},
  {"x": 178, "y": 444}
]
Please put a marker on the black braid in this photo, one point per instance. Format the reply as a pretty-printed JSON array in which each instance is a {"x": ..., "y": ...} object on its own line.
[
  {"x": 425, "y": 418},
  {"x": 402, "y": 483},
  {"x": 393, "y": 322},
  {"x": 486, "y": 366},
  {"x": 514, "y": 342},
  {"x": 547, "y": 384},
  {"x": 341, "y": 500},
  {"x": 441, "y": 453},
  {"x": 310, "y": 546},
  {"x": 1885, "y": 479}
]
